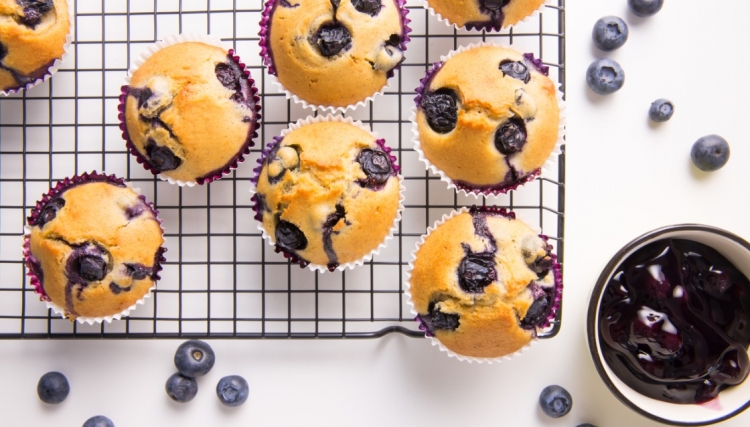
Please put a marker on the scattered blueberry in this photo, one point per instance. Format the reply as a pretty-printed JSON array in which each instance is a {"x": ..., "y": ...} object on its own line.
[
  {"x": 645, "y": 8},
  {"x": 494, "y": 4},
  {"x": 476, "y": 272},
  {"x": 516, "y": 69},
  {"x": 441, "y": 110},
  {"x": 370, "y": 7},
  {"x": 92, "y": 267},
  {"x": 50, "y": 211},
  {"x": 289, "y": 236},
  {"x": 194, "y": 358},
  {"x": 605, "y": 76},
  {"x": 710, "y": 153},
  {"x": 162, "y": 158},
  {"x": 511, "y": 136},
  {"x": 181, "y": 389},
  {"x": 53, "y": 388},
  {"x": 555, "y": 401},
  {"x": 232, "y": 390},
  {"x": 99, "y": 421},
  {"x": 610, "y": 33},
  {"x": 661, "y": 110},
  {"x": 331, "y": 39},
  {"x": 376, "y": 165}
]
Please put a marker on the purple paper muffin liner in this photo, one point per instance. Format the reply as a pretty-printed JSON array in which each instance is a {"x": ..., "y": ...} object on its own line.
[
  {"x": 35, "y": 272},
  {"x": 266, "y": 52},
  {"x": 231, "y": 164},
  {"x": 468, "y": 188},
  {"x": 556, "y": 290},
  {"x": 258, "y": 203}
]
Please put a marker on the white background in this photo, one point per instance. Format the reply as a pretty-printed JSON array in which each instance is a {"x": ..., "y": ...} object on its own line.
[{"x": 624, "y": 177}]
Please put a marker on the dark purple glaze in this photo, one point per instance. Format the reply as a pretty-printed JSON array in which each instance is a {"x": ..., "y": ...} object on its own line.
[{"x": 674, "y": 322}]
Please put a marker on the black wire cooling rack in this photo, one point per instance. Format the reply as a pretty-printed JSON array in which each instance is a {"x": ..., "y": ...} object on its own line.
[{"x": 221, "y": 279}]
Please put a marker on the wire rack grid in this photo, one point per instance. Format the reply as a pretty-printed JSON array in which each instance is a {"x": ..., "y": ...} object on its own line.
[{"x": 221, "y": 280}]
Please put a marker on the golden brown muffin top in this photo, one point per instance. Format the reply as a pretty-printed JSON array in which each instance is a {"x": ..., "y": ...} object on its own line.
[
  {"x": 485, "y": 14},
  {"x": 95, "y": 248},
  {"x": 499, "y": 122},
  {"x": 327, "y": 193},
  {"x": 475, "y": 279},
  {"x": 32, "y": 37},
  {"x": 190, "y": 111},
  {"x": 330, "y": 53}
]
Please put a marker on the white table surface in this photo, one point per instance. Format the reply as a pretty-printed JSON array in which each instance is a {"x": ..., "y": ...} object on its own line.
[{"x": 624, "y": 177}]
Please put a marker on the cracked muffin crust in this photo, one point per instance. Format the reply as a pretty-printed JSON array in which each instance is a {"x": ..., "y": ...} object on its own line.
[
  {"x": 328, "y": 193},
  {"x": 94, "y": 246},
  {"x": 333, "y": 52},
  {"x": 485, "y": 14},
  {"x": 483, "y": 282},
  {"x": 32, "y": 36},
  {"x": 190, "y": 112},
  {"x": 488, "y": 117}
]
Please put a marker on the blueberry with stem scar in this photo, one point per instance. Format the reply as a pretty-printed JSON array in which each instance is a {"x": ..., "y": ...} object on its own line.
[
  {"x": 555, "y": 401},
  {"x": 605, "y": 76},
  {"x": 610, "y": 33},
  {"x": 232, "y": 390},
  {"x": 710, "y": 153},
  {"x": 53, "y": 388},
  {"x": 194, "y": 358},
  {"x": 661, "y": 110}
]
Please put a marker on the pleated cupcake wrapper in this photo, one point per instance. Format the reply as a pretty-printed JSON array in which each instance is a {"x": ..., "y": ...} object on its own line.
[
  {"x": 264, "y": 154},
  {"x": 477, "y": 193},
  {"x": 59, "y": 188},
  {"x": 252, "y": 134},
  {"x": 265, "y": 54},
  {"x": 490, "y": 27},
  {"x": 436, "y": 342},
  {"x": 58, "y": 62}
]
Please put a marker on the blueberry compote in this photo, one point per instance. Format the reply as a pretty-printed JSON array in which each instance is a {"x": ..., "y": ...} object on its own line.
[{"x": 674, "y": 322}]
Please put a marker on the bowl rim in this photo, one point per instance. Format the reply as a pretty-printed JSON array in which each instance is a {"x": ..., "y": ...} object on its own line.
[{"x": 593, "y": 308}]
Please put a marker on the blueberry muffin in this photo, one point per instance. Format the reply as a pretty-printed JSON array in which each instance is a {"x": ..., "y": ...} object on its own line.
[
  {"x": 488, "y": 118},
  {"x": 32, "y": 37},
  {"x": 483, "y": 282},
  {"x": 190, "y": 112},
  {"x": 94, "y": 246},
  {"x": 484, "y": 14},
  {"x": 328, "y": 194},
  {"x": 333, "y": 52}
]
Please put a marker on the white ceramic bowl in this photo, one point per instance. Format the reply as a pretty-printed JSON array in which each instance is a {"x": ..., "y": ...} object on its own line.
[{"x": 732, "y": 400}]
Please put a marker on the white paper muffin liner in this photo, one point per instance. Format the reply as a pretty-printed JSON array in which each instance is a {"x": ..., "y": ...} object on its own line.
[
  {"x": 489, "y": 27},
  {"x": 436, "y": 342},
  {"x": 58, "y": 62},
  {"x": 150, "y": 51},
  {"x": 477, "y": 192},
  {"x": 319, "y": 119},
  {"x": 268, "y": 62},
  {"x": 62, "y": 186}
]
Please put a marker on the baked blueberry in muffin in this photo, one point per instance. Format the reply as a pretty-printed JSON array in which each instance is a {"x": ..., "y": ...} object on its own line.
[
  {"x": 488, "y": 118},
  {"x": 483, "y": 283},
  {"x": 485, "y": 14},
  {"x": 32, "y": 36},
  {"x": 333, "y": 53},
  {"x": 190, "y": 112},
  {"x": 94, "y": 246},
  {"x": 327, "y": 193}
]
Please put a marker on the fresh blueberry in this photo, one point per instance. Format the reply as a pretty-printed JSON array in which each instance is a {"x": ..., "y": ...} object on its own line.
[
  {"x": 494, "y": 4},
  {"x": 555, "y": 401},
  {"x": 441, "y": 110},
  {"x": 289, "y": 236},
  {"x": 99, "y": 421},
  {"x": 194, "y": 358},
  {"x": 162, "y": 158},
  {"x": 232, "y": 390},
  {"x": 370, "y": 7},
  {"x": 511, "y": 136},
  {"x": 376, "y": 165},
  {"x": 610, "y": 33},
  {"x": 50, "y": 211},
  {"x": 605, "y": 76},
  {"x": 710, "y": 153},
  {"x": 181, "y": 389},
  {"x": 661, "y": 110},
  {"x": 476, "y": 272},
  {"x": 92, "y": 267},
  {"x": 227, "y": 76},
  {"x": 331, "y": 39},
  {"x": 436, "y": 319},
  {"x": 645, "y": 8},
  {"x": 516, "y": 69},
  {"x": 53, "y": 388}
]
